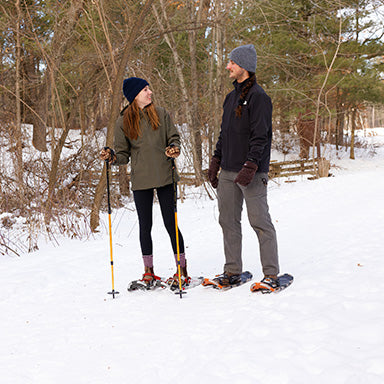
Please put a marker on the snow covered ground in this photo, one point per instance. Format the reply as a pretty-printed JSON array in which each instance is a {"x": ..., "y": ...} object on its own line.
[{"x": 59, "y": 325}]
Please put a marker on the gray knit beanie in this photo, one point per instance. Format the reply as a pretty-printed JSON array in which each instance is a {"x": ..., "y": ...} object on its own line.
[{"x": 245, "y": 56}]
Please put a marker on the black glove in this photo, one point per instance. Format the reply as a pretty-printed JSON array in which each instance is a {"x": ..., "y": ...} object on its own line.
[
  {"x": 246, "y": 174},
  {"x": 213, "y": 170}
]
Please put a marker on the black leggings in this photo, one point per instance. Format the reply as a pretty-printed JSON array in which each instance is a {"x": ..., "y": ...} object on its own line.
[{"x": 144, "y": 202}]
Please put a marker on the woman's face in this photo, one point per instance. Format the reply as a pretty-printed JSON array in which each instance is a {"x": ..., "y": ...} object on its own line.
[{"x": 144, "y": 98}]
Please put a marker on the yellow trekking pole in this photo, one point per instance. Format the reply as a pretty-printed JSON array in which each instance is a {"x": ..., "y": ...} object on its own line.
[
  {"x": 113, "y": 293},
  {"x": 181, "y": 292}
]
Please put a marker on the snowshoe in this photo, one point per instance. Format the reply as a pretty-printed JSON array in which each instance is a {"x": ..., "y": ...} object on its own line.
[
  {"x": 142, "y": 285},
  {"x": 148, "y": 282},
  {"x": 226, "y": 281}
]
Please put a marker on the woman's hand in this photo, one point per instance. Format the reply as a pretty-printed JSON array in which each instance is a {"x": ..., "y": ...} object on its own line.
[
  {"x": 107, "y": 154},
  {"x": 172, "y": 151}
]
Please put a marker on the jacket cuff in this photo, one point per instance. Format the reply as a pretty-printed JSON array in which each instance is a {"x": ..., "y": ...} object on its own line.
[
  {"x": 217, "y": 159},
  {"x": 251, "y": 165}
]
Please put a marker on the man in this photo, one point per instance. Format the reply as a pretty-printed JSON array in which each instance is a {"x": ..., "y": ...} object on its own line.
[{"x": 243, "y": 154}]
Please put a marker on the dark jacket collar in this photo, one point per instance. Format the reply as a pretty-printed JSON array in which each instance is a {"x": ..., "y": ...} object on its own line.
[
  {"x": 240, "y": 86},
  {"x": 141, "y": 110},
  {"x": 122, "y": 111}
]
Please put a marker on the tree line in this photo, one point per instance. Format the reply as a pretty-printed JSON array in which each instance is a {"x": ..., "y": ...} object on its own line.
[{"x": 62, "y": 65}]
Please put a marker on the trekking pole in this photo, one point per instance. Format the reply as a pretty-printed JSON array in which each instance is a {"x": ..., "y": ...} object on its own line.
[
  {"x": 113, "y": 293},
  {"x": 181, "y": 292}
]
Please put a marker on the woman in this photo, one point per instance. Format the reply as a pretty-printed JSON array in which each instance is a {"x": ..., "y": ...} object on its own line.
[{"x": 146, "y": 135}]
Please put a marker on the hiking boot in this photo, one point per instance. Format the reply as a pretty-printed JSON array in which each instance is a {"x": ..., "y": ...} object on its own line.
[
  {"x": 226, "y": 279},
  {"x": 149, "y": 277},
  {"x": 173, "y": 281},
  {"x": 270, "y": 281}
]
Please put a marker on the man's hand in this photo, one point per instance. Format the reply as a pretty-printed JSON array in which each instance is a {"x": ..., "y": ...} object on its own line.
[
  {"x": 213, "y": 170},
  {"x": 246, "y": 174}
]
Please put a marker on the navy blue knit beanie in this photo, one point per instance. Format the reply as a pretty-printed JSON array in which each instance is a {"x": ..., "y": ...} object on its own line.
[
  {"x": 245, "y": 56},
  {"x": 132, "y": 87}
]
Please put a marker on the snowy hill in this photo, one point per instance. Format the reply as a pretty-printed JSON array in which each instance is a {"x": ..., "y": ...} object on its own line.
[{"x": 59, "y": 325}]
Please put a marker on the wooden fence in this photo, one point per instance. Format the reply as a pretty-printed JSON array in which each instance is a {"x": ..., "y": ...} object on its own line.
[
  {"x": 298, "y": 167},
  {"x": 316, "y": 168}
]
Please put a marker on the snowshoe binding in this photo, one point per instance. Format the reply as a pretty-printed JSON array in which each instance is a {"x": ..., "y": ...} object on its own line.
[
  {"x": 271, "y": 284},
  {"x": 173, "y": 282},
  {"x": 148, "y": 282},
  {"x": 227, "y": 281}
]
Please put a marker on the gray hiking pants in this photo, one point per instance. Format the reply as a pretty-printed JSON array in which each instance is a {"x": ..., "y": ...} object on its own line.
[{"x": 230, "y": 200}]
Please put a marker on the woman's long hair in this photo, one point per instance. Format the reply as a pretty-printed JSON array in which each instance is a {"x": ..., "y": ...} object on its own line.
[
  {"x": 131, "y": 120},
  {"x": 244, "y": 93}
]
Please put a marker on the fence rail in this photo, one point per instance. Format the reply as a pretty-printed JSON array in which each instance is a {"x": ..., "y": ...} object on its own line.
[
  {"x": 294, "y": 168},
  {"x": 315, "y": 167}
]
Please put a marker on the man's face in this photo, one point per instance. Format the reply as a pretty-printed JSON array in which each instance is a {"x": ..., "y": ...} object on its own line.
[{"x": 236, "y": 72}]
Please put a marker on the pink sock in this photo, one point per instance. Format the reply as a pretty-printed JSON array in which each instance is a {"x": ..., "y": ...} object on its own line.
[
  {"x": 148, "y": 261},
  {"x": 182, "y": 260}
]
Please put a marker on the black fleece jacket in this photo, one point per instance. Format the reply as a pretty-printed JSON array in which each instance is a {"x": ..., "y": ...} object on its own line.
[{"x": 249, "y": 136}]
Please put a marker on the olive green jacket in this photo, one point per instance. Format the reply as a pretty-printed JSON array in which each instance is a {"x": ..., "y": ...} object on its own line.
[{"x": 150, "y": 167}]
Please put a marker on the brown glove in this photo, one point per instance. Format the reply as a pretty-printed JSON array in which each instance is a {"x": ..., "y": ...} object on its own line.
[
  {"x": 213, "y": 170},
  {"x": 172, "y": 151},
  {"x": 246, "y": 174},
  {"x": 107, "y": 154}
]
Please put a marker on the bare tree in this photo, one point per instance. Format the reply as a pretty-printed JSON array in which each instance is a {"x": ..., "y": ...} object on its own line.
[
  {"x": 116, "y": 97},
  {"x": 318, "y": 102},
  {"x": 18, "y": 133},
  {"x": 221, "y": 12},
  {"x": 165, "y": 28}
]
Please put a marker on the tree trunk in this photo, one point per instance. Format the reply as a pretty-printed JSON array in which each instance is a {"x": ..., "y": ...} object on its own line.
[
  {"x": 318, "y": 102},
  {"x": 124, "y": 181},
  {"x": 56, "y": 153},
  {"x": 60, "y": 43},
  {"x": 218, "y": 36},
  {"x": 353, "y": 127},
  {"x": 116, "y": 98},
  {"x": 18, "y": 132},
  {"x": 195, "y": 128},
  {"x": 188, "y": 104},
  {"x": 339, "y": 136}
]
